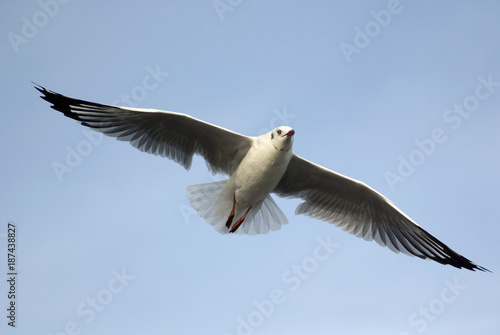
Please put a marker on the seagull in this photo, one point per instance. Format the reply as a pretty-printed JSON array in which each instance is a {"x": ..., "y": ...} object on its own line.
[{"x": 257, "y": 167}]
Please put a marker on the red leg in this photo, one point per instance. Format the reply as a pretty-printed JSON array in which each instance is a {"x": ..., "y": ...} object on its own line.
[
  {"x": 231, "y": 215},
  {"x": 240, "y": 221}
]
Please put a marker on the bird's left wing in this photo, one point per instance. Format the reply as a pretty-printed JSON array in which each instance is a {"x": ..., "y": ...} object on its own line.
[
  {"x": 360, "y": 210},
  {"x": 168, "y": 134}
]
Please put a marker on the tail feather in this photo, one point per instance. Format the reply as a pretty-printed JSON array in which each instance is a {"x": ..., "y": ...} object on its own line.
[
  {"x": 204, "y": 197},
  {"x": 214, "y": 207}
]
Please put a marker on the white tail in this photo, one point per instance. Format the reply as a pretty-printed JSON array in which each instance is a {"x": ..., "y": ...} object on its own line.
[{"x": 215, "y": 207}]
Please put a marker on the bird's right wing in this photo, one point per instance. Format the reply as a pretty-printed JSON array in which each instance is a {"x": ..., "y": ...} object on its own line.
[
  {"x": 168, "y": 134},
  {"x": 360, "y": 210}
]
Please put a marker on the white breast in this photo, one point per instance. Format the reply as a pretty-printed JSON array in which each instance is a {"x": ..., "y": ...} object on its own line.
[{"x": 259, "y": 172}]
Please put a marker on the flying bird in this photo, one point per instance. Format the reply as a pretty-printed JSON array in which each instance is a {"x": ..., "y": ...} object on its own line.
[{"x": 257, "y": 167}]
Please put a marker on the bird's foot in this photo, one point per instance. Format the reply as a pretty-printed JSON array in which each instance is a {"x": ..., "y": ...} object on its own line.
[
  {"x": 240, "y": 221},
  {"x": 231, "y": 215},
  {"x": 229, "y": 221}
]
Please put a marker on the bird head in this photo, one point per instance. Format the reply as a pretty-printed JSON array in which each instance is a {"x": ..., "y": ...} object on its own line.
[{"x": 282, "y": 138}]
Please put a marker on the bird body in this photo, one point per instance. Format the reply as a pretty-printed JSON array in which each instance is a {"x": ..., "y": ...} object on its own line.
[
  {"x": 262, "y": 167},
  {"x": 257, "y": 167},
  {"x": 249, "y": 186}
]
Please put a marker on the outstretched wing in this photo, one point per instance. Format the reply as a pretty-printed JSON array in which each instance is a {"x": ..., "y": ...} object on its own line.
[
  {"x": 360, "y": 210},
  {"x": 168, "y": 134}
]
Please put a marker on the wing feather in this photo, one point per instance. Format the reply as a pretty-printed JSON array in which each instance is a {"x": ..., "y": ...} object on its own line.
[
  {"x": 168, "y": 134},
  {"x": 361, "y": 211}
]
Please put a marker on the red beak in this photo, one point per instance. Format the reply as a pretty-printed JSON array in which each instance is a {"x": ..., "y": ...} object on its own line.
[{"x": 290, "y": 133}]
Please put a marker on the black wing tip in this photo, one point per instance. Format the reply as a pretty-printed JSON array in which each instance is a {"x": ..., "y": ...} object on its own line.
[
  {"x": 472, "y": 267},
  {"x": 60, "y": 103},
  {"x": 475, "y": 267},
  {"x": 38, "y": 86},
  {"x": 448, "y": 256},
  {"x": 461, "y": 263},
  {"x": 46, "y": 93},
  {"x": 50, "y": 96},
  {"x": 42, "y": 90}
]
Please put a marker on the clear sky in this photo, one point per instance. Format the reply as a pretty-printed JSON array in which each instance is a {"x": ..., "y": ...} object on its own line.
[{"x": 404, "y": 96}]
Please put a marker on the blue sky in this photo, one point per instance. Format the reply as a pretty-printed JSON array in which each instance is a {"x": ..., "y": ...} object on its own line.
[{"x": 404, "y": 96}]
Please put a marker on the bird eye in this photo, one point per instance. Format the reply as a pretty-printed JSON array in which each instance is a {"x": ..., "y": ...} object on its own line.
[{"x": 278, "y": 131}]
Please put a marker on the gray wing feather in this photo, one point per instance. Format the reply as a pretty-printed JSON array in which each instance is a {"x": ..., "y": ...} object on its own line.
[
  {"x": 360, "y": 210},
  {"x": 168, "y": 134}
]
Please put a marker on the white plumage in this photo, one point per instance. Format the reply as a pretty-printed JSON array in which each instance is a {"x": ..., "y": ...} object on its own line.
[{"x": 258, "y": 166}]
